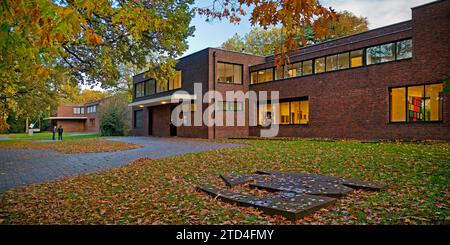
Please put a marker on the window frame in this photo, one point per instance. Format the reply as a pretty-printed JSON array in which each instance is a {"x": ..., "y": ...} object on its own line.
[
  {"x": 233, "y": 64},
  {"x": 406, "y": 104},
  {"x": 288, "y": 100},
  {"x": 134, "y": 121}
]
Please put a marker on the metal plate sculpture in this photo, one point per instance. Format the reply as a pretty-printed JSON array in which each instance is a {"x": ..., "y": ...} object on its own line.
[{"x": 294, "y": 194}]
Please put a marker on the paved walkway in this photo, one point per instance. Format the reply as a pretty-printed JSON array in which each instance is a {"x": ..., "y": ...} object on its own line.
[{"x": 21, "y": 167}]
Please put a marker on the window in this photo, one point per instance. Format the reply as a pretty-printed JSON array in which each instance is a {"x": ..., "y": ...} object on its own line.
[
  {"x": 189, "y": 107},
  {"x": 279, "y": 73},
  {"x": 380, "y": 54},
  {"x": 254, "y": 77},
  {"x": 229, "y": 106},
  {"x": 92, "y": 122},
  {"x": 332, "y": 63},
  {"x": 139, "y": 89},
  {"x": 150, "y": 87},
  {"x": 91, "y": 109},
  {"x": 416, "y": 103},
  {"x": 319, "y": 65},
  {"x": 356, "y": 58},
  {"x": 307, "y": 67},
  {"x": 387, "y": 52},
  {"x": 398, "y": 104},
  {"x": 263, "y": 76},
  {"x": 404, "y": 49},
  {"x": 343, "y": 61},
  {"x": 229, "y": 73},
  {"x": 291, "y": 112},
  {"x": 138, "y": 119},
  {"x": 78, "y": 110},
  {"x": 293, "y": 70}
]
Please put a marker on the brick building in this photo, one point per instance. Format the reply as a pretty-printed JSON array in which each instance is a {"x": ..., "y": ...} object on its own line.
[
  {"x": 385, "y": 83},
  {"x": 78, "y": 117}
]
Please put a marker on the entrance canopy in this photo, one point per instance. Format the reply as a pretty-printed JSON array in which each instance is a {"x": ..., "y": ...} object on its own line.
[{"x": 162, "y": 100}]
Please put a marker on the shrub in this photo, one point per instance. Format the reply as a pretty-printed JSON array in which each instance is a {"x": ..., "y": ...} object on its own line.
[{"x": 115, "y": 116}]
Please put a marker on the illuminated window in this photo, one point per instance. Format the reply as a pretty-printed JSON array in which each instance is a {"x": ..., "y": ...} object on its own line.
[
  {"x": 279, "y": 72},
  {"x": 319, "y": 65},
  {"x": 229, "y": 73},
  {"x": 264, "y": 75},
  {"x": 175, "y": 82},
  {"x": 229, "y": 106},
  {"x": 356, "y": 58},
  {"x": 416, "y": 103},
  {"x": 290, "y": 112},
  {"x": 293, "y": 70},
  {"x": 398, "y": 104},
  {"x": 254, "y": 78}
]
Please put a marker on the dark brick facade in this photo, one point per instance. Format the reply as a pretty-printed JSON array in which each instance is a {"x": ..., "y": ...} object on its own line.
[{"x": 352, "y": 103}]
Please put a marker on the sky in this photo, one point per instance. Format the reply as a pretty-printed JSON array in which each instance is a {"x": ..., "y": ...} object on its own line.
[{"x": 379, "y": 13}]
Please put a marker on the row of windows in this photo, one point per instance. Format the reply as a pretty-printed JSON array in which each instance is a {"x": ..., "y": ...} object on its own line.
[
  {"x": 78, "y": 110},
  {"x": 290, "y": 112},
  {"x": 356, "y": 58},
  {"x": 229, "y": 106},
  {"x": 91, "y": 109},
  {"x": 422, "y": 103},
  {"x": 229, "y": 73},
  {"x": 152, "y": 86}
]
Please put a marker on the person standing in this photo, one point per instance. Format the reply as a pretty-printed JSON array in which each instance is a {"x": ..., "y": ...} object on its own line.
[
  {"x": 60, "y": 132},
  {"x": 54, "y": 133}
]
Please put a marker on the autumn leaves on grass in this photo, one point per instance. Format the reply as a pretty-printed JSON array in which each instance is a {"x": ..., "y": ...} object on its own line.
[{"x": 73, "y": 146}]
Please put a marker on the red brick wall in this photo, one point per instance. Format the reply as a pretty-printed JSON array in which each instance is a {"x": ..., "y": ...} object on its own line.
[
  {"x": 355, "y": 103},
  {"x": 71, "y": 125}
]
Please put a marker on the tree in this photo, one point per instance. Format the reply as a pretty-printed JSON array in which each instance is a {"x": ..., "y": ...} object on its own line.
[
  {"x": 115, "y": 116},
  {"x": 293, "y": 16},
  {"x": 85, "y": 42},
  {"x": 261, "y": 41}
]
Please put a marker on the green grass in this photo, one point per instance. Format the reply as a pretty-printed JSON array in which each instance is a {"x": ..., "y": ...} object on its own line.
[
  {"x": 162, "y": 191},
  {"x": 48, "y": 136}
]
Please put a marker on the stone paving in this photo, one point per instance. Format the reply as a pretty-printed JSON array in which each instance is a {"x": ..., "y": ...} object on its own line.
[{"x": 20, "y": 167}]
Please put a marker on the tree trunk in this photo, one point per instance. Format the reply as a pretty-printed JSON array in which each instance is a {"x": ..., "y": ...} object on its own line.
[{"x": 26, "y": 125}]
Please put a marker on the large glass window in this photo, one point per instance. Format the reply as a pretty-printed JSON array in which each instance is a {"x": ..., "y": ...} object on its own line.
[
  {"x": 404, "y": 49},
  {"x": 265, "y": 75},
  {"x": 290, "y": 112},
  {"x": 398, "y": 104},
  {"x": 387, "y": 52},
  {"x": 332, "y": 63},
  {"x": 356, "y": 58},
  {"x": 373, "y": 55},
  {"x": 417, "y": 103},
  {"x": 229, "y": 73},
  {"x": 293, "y": 70},
  {"x": 91, "y": 109},
  {"x": 319, "y": 65},
  {"x": 139, "y": 89},
  {"x": 307, "y": 67},
  {"x": 139, "y": 119},
  {"x": 254, "y": 77}
]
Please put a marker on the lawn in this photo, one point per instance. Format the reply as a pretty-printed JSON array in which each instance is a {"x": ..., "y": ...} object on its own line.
[
  {"x": 72, "y": 143},
  {"x": 162, "y": 191}
]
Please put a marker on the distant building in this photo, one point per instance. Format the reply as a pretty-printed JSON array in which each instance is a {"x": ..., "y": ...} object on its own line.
[{"x": 78, "y": 117}]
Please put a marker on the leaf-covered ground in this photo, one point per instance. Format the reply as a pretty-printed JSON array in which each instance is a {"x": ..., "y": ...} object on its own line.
[
  {"x": 162, "y": 191},
  {"x": 70, "y": 146}
]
